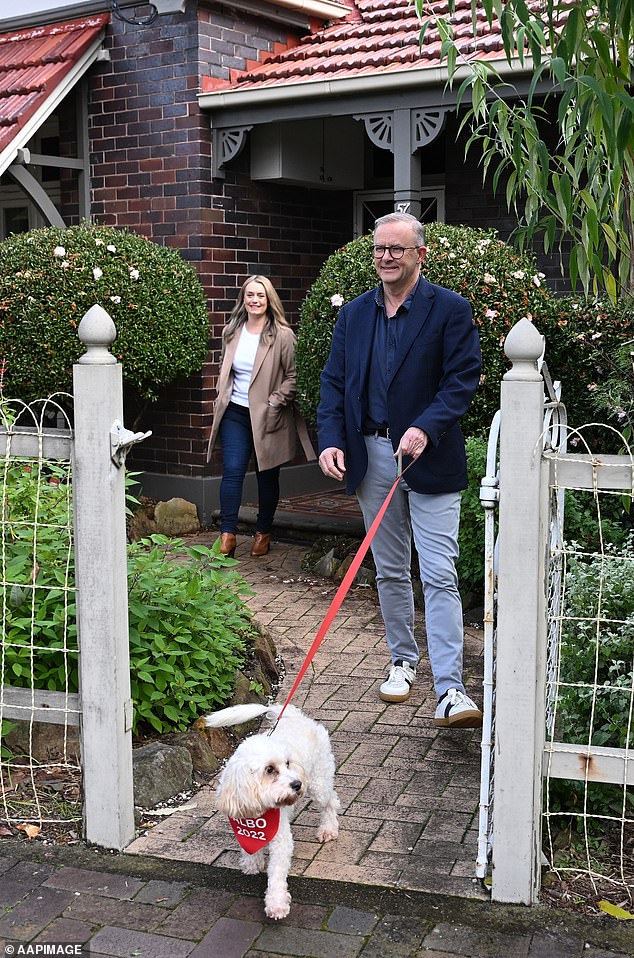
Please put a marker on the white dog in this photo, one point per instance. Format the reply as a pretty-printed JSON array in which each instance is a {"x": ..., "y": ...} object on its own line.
[{"x": 273, "y": 771}]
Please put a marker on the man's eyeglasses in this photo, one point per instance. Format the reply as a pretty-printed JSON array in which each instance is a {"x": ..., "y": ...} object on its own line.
[{"x": 396, "y": 252}]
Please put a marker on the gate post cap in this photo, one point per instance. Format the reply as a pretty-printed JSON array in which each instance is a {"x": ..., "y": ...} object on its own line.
[
  {"x": 524, "y": 346},
  {"x": 98, "y": 332}
]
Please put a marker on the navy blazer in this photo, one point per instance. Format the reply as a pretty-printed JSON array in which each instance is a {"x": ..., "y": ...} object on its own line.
[{"x": 436, "y": 373}]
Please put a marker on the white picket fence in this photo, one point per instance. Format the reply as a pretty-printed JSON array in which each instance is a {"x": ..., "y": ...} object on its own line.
[{"x": 92, "y": 456}]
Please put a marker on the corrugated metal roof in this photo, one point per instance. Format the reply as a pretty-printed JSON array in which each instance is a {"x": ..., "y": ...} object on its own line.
[
  {"x": 376, "y": 37},
  {"x": 33, "y": 64}
]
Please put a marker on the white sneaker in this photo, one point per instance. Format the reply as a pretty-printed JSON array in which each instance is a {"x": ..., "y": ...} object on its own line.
[
  {"x": 456, "y": 710},
  {"x": 398, "y": 684}
]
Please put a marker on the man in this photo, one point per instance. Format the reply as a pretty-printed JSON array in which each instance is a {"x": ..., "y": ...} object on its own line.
[{"x": 403, "y": 367}]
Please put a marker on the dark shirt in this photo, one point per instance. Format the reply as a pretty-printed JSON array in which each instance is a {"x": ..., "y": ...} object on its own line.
[{"x": 387, "y": 332}]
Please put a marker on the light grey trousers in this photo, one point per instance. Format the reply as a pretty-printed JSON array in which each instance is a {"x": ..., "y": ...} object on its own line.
[{"x": 434, "y": 521}]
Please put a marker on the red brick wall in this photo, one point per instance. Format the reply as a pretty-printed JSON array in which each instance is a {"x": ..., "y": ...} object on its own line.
[
  {"x": 284, "y": 233},
  {"x": 151, "y": 172}
]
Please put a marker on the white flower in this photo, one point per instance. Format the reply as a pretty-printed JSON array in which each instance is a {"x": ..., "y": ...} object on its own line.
[
  {"x": 537, "y": 281},
  {"x": 97, "y": 273},
  {"x": 64, "y": 264},
  {"x": 488, "y": 278},
  {"x": 620, "y": 413},
  {"x": 337, "y": 299},
  {"x": 115, "y": 299},
  {"x": 443, "y": 241},
  {"x": 134, "y": 274},
  {"x": 98, "y": 242},
  {"x": 592, "y": 387},
  {"x": 111, "y": 248},
  {"x": 518, "y": 274},
  {"x": 451, "y": 256},
  {"x": 59, "y": 251},
  {"x": 491, "y": 313}
]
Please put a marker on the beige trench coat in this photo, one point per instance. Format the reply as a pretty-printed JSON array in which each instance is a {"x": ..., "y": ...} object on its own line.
[{"x": 275, "y": 421}]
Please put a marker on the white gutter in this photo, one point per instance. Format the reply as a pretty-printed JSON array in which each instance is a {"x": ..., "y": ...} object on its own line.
[
  {"x": 22, "y": 137},
  {"x": 323, "y": 9},
  {"x": 382, "y": 81}
]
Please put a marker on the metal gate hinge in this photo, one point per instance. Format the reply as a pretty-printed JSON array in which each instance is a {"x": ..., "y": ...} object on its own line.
[{"x": 121, "y": 440}]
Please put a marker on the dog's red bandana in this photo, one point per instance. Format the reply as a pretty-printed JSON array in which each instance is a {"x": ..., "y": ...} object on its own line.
[{"x": 254, "y": 833}]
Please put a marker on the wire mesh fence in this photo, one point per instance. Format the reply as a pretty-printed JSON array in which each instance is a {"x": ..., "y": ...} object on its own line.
[
  {"x": 589, "y": 768},
  {"x": 40, "y": 775}
]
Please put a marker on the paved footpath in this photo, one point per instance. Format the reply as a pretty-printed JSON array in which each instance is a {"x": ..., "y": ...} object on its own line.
[
  {"x": 399, "y": 880},
  {"x": 409, "y": 791}
]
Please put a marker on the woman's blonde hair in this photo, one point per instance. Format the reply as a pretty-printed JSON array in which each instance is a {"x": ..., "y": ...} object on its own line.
[{"x": 274, "y": 311}]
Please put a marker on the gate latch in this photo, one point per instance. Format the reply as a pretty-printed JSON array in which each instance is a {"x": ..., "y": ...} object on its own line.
[{"x": 121, "y": 440}]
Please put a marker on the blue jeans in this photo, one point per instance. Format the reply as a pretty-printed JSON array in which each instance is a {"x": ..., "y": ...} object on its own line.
[
  {"x": 434, "y": 521},
  {"x": 236, "y": 438}
]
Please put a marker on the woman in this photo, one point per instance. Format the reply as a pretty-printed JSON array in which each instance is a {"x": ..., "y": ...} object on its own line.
[{"x": 254, "y": 411}]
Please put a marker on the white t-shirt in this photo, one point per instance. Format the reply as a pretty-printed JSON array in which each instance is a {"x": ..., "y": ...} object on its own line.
[{"x": 243, "y": 361}]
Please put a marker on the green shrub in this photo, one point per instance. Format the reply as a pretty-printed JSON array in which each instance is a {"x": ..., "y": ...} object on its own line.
[
  {"x": 501, "y": 286},
  {"x": 51, "y": 277},
  {"x": 587, "y": 352},
  {"x": 189, "y": 627},
  {"x": 189, "y": 630},
  {"x": 471, "y": 535}
]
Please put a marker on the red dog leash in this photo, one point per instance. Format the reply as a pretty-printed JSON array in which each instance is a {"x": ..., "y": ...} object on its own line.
[{"x": 341, "y": 592}]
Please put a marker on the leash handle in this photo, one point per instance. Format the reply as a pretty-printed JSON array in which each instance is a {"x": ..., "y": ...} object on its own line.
[{"x": 341, "y": 592}]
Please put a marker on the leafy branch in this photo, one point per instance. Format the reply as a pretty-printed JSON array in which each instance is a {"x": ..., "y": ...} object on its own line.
[{"x": 568, "y": 169}]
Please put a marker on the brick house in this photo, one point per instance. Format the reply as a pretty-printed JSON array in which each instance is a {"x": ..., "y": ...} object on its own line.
[{"x": 252, "y": 136}]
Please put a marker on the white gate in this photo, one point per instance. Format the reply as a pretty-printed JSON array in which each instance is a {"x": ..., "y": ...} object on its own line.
[
  {"x": 525, "y": 612},
  {"x": 83, "y": 469}
]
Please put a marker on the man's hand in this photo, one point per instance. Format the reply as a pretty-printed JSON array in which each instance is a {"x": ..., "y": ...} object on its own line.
[
  {"x": 332, "y": 462},
  {"x": 413, "y": 442}
]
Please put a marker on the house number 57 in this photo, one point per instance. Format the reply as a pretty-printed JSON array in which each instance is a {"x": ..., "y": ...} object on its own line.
[{"x": 403, "y": 207}]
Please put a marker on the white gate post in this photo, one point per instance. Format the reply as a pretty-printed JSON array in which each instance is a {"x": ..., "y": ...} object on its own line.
[
  {"x": 520, "y": 696},
  {"x": 102, "y": 590}
]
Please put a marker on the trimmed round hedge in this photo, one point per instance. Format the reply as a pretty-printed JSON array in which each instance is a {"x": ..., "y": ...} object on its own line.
[
  {"x": 50, "y": 277},
  {"x": 501, "y": 285}
]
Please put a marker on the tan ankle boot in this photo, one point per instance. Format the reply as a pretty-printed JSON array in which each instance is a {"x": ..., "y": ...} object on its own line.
[
  {"x": 227, "y": 544},
  {"x": 261, "y": 544}
]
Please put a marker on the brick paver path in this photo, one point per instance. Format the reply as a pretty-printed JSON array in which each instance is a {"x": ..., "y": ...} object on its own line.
[
  {"x": 120, "y": 915},
  {"x": 409, "y": 791}
]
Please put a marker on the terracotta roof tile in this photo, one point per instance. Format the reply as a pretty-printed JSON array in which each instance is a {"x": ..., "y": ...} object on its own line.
[
  {"x": 33, "y": 63},
  {"x": 376, "y": 36}
]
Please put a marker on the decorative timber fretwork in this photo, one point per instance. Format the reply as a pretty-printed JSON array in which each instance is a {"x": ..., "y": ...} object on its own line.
[
  {"x": 378, "y": 128},
  {"x": 227, "y": 144},
  {"x": 427, "y": 125}
]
